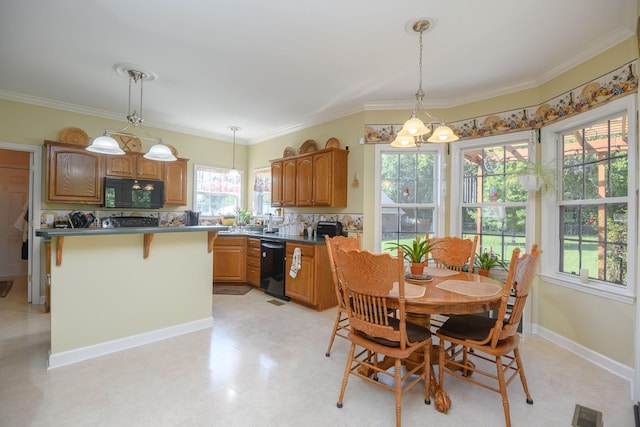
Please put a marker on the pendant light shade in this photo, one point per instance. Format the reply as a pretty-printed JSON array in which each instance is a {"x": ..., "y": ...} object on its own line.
[
  {"x": 234, "y": 172},
  {"x": 161, "y": 153},
  {"x": 443, "y": 134},
  {"x": 105, "y": 145}
]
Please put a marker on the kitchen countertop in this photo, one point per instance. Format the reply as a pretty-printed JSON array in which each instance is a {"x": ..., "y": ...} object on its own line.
[
  {"x": 48, "y": 233},
  {"x": 223, "y": 230}
]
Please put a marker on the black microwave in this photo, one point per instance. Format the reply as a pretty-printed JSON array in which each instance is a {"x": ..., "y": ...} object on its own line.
[{"x": 133, "y": 193}]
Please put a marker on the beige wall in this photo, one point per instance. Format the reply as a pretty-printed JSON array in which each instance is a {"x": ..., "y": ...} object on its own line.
[{"x": 601, "y": 325}]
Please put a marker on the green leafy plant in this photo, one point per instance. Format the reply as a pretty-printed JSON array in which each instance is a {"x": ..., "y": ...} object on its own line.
[
  {"x": 538, "y": 176},
  {"x": 242, "y": 217},
  {"x": 418, "y": 249},
  {"x": 488, "y": 259}
]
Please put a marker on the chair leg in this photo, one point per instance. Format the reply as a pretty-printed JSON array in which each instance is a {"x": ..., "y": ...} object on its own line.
[
  {"x": 345, "y": 379},
  {"x": 428, "y": 371},
  {"x": 336, "y": 324},
  {"x": 398, "y": 384},
  {"x": 503, "y": 391},
  {"x": 441, "y": 363},
  {"x": 523, "y": 379}
]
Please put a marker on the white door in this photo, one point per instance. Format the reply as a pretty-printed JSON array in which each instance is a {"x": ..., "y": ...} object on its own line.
[{"x": 14, "y": 192}]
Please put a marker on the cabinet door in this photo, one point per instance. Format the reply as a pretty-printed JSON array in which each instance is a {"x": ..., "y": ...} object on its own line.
[
  {"x": 229, "y": 259},
  {"x": 148, "y": 169},
  {"x": 74, "y": 174},
  {"x": 175, "y": 182},
  {"x": 330, "y": 178},
  {"x": 304, "y": 181},
  {"x": 121, "y": 166},
  {"x": 301, "y": 287},
  {"x": 276, "y": 184},
  {"x": 289, "y": 182}
]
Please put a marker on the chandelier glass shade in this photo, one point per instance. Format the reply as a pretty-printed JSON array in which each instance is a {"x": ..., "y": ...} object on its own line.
[
  {"x": 106, "y": 144},
  {"x": 414, "y": 132}
]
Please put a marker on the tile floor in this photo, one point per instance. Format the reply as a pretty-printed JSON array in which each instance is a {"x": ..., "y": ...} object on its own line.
[{"x": 264, "y": 365}]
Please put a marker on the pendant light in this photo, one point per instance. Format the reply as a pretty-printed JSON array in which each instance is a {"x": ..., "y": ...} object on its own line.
[
  {"x": 234, "y": 172},
  {"x": 106, "y": 144},
  {"x": 414, "y": 132}
]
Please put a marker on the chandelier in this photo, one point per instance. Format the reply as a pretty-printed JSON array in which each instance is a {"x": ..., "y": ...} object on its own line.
[
  {"x": 106, "y": 144},
  {"x": 414, "y": 132}
]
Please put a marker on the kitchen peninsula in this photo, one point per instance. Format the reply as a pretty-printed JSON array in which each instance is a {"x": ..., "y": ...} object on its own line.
[{"x": 113, "y": 289}]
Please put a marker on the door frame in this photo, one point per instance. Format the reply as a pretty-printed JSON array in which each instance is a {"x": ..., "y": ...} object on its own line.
[{"x": 35, "y": 296}]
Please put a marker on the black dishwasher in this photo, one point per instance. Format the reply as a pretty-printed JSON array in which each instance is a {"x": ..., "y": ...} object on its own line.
[{"x": 272, "y": 266}]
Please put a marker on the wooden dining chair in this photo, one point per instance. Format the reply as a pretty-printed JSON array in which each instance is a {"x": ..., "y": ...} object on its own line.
[
  {"x": 454, "y": 253},
  {"x": 341, "y": 324},
  {"x": 367, "y": 280},
  {"x": 493, "y": 340}
]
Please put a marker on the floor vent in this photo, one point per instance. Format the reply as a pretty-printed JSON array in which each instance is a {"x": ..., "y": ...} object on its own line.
[
  {"x": 586, "y": 417},
  {"x": 275, "y": 302}
]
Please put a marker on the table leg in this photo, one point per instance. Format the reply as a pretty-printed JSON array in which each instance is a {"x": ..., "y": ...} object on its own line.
[{"x": 441, "y": 398}]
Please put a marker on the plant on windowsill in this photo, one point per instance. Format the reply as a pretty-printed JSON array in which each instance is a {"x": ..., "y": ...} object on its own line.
[
  {"x": 416, "y": 253},
  {"x": 486, "y": 260},
  {"x": 242, "y": 217}
]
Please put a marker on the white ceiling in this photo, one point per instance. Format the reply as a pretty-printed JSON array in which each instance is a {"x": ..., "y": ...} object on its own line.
[{"x": 272, "y": 67}]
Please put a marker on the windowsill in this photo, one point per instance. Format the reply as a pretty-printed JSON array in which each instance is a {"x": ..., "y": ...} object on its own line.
[{"x": 589, "y": 288}]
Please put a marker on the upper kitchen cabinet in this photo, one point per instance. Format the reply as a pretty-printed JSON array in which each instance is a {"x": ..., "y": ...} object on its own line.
[
  {"x": 134, "y": 165},
  {"x": 175, "y": 182},
  {"x": 314, "y": 179},
  {"x": 74, "y": 175}
]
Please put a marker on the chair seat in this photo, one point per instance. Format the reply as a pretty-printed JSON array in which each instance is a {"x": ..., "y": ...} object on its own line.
[
  {"x": 415, "y": 333},
  {"x": 467, "y": 327}
]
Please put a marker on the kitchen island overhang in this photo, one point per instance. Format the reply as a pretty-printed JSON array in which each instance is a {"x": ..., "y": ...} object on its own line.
[{"x": 113, "y": 289}]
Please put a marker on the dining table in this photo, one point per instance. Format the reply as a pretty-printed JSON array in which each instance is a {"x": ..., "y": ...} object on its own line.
[{"x": 446, "y": 292}]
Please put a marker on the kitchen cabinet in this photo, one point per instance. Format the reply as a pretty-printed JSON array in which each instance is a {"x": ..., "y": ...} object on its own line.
[
  {"x": 312, "y": 179},
  {"x": 313, "y": 285},
  {"x": 288, "y": 182},
  {"x": 276, "y": 183},
  {"x": 175, "y": 182},
  {"x": 74, "y": 175},
  {"x": 135, "y": 166},
  {"x": 304, "y": 181},
  {"x": 229, "y": 259},
  {"x": 253, "y": 261}
]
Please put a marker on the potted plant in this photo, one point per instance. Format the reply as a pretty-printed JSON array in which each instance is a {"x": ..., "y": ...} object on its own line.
[
  {"x": 242, "y": 217},
  {"x": 416, "y": 252},
  {"x": 486, "y": 260},
  {"x": 537, "y": 176}
]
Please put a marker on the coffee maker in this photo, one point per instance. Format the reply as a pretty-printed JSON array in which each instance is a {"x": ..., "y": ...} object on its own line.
[{"x": 191, "y": 218}]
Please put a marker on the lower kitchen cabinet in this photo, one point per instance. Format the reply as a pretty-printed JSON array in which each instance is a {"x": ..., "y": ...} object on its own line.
[
  {"x": 253, "y": 261},
  {"x": 229, "y": 259},
  {"x": 313, "y": 285}
]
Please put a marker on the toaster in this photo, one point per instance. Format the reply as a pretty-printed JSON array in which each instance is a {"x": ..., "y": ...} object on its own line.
[{"x": 329, "y": 228}]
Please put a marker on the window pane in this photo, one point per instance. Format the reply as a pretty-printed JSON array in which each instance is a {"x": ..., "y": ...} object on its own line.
[
  {"x": 217, "y": 192},
  {"x": 489, "y": 182},
  {"x": 408, "y": 189}
]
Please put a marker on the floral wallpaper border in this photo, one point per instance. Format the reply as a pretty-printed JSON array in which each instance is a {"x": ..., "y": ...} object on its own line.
[{"x": 615, "y": 84}]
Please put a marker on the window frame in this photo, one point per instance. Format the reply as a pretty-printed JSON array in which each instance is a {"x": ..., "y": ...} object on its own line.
[
  {"x": 457, "y": 173},
  {"x": 552, "y": 150},
  {"x": 438, "y": 151},
  {"x": 195, "y": 187}
]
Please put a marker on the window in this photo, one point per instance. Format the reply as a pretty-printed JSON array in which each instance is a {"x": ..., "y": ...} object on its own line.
[
  {"x": 217, "y": 191},
  {"x": 488, "y": 199},
  {"x": 594, "y": 217},
  {"x": 262, "y": 192},
  {"x": 409, "y": 200}
]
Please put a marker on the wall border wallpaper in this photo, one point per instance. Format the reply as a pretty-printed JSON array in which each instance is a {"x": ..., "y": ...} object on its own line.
[{"x": 613, "y": 85}]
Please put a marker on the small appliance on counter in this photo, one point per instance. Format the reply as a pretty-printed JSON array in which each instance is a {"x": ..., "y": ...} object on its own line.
[
  {"x": 191, "y": 218},
  {"x": 329, "y": 228},
  {"x": 81, "y": 219}
]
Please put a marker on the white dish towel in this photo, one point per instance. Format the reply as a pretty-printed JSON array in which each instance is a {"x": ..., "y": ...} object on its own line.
[{"x": 295, "y": 262}]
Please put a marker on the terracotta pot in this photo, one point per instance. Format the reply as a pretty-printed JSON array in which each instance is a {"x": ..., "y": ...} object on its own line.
[
  {"x": 483, "y": 272},
  {"x": 417, "y": 268}
]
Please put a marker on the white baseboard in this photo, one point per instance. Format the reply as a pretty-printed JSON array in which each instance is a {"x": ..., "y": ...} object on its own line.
[
  {"x": 616, "y": 368},
  {"x": 84, "y": 353}
]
